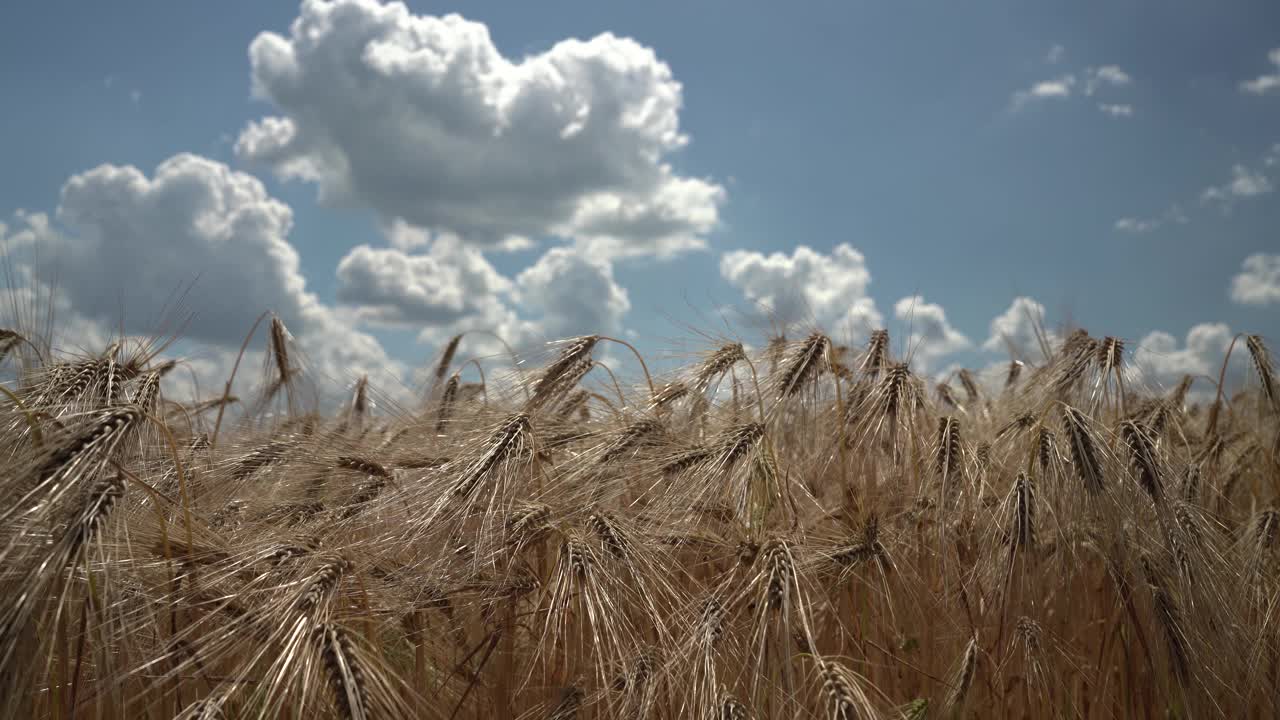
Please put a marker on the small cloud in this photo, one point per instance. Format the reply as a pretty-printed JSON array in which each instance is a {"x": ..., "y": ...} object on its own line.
[
  {"x": 1244, "y": 183},
  {"x": 1055, "y": 54},
  {"x": 1272, "y": 157},
  {"x": 108, "y": 81},
  {"x": 1264, "y": 84},
  {"x": 1258, "y": 282},
  {"x": 1112, "y": 75},
  {"x": 1087, "y": 83},
  {"x": 1137, "y": 225},
  {"x": 1116, "y": 111},
  {"x": 1140, "y": 226},
  {"x": 135, "y": 96},
  {"x": 1059, "y": 88}
]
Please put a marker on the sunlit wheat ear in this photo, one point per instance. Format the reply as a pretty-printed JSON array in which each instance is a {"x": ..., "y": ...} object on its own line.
[
  {"x": 736, "y": 443},
  {"x": 1046, "y": 450},
  {"x": 1178, "y": 396},
  {"x": 803, "y": 366},
  {"x": 668, "y": 394},
  {"x": 551, "y": 383},
  {"x": 846, "y": 698},
  {"x": 71, "y": 463},
  {"x": 863, "y": 548},
  {"x": 1084, "y": 449},
  {"x": 365, "y": 493},
  {"x": 280, "y": 348},
  {"x": 711, "y": 622},
  {"x": 446, "y": 359},
  {"x": 718, "y": 363},
  {"x": 278, "y": 354},
  {"x": 502, "y": 444},
  {"x": 1012, "y": 374},
  {"x": 1018, "y": 425},
  {"x": 364, "y": 465},
  {"x": 1078, "y": 353},
  {"x": 962, "y": 679},
  {"x": 22, "y": 604},
  {"x": 876, "y": 357},
  {"x": 730, "y": 709},
  {"x": 612, "y": 538},
  {"x": 1110, "y": 354},
  {"x": 969, "y": 384},
  {"x": 1022, "y": 526},
  {"x": 574, "y": 405},
  {"x": 1143, "y": 457},
  {"x": 269, "y": 454},
  {"x": 779, "y": 575},
  {"x": 345, "y": 676},
  {"x": 111, "y": 375},
  {"x": 73, "y": 382},
  {"x": 631, "y": 437},
  {"x": 1263, "y": 365},
  {"x": 686, "y": 460},
  {"x": 982, "y": 456},
  {"x": 447, "y": 399},
  {"x": 359, "y": 407},
  {"x": 946, "y": 459},
  {"x": 891, "y": 405},
  {"x": 1031, "y": 635},
  {"x": 946, "y": 396},
  {"x": 320, "y": 584},
  {"x": 9, "y": 339},
  {"x": 840, "y": 363},
  {"x": 148, "y": 388}
]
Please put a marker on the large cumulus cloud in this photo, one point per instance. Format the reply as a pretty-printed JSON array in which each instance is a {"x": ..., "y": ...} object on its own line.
[
  {"x": 422, "y": 118},
  {"x": 196, "y": 249}
]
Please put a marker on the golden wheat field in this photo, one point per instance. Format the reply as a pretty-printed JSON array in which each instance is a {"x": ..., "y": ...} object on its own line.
[{"x": 801, "y": 529}]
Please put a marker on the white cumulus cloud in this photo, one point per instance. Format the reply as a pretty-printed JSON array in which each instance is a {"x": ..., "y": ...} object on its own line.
[
  {"x": 830, "y": 289},
  {"x": 930, "y": 337},
  {"x": 1018, "y": 330},
  {"x": 393, "y": 287},
  {"x": 451, "y": 288},
  {"x": 197, "y": 249},
  {"x": 1162, "y": 360},
  {"x": 574, "y": 293},
  {"x": 1258, "y": 282},
  {"x": 423, "y": 118}
]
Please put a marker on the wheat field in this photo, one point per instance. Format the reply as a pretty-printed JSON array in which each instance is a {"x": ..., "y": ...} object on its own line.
[{"x": 801, "y": 529}]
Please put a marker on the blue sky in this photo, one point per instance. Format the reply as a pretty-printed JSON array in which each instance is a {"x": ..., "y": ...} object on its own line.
[{"x": 969, "y": 153}]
